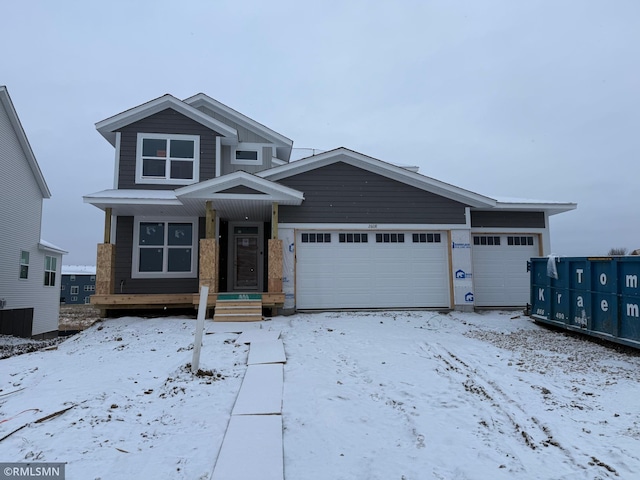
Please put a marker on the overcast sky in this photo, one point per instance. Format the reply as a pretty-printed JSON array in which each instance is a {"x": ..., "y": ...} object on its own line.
[{"x": 539, "y": 99}]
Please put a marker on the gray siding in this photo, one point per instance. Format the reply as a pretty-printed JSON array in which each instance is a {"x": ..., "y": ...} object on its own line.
[
  {"x": 244, "y": 134},
  {"x": 171, "y": 122},
  {"x": 228, "y": 167},
  {"x": 242, "y": 190},
  {"x": 126, "y": 284},
  {"x": 20, "y": 229},
  {"x": 342, "y": 193},
  {"x": 506, "y": 219}
]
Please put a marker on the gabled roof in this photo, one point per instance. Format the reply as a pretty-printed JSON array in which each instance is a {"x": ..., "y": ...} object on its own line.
[
  {"x": 201, "y": 99},
  {"x": 5, "y": 100},
  {"x": 379, "y": 167},
  {"x": 108, "y": 126},
  {"x": 216, "y": 187}
]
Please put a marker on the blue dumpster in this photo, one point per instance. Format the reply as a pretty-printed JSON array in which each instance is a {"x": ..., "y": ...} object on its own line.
[{"x": 599, "y": 296}]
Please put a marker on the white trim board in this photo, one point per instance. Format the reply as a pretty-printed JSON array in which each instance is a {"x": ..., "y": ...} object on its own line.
[
  {"x": 266, "y": 352},
  {"x": 261, "y": 391},
  {"x": 252, "y": 448}
]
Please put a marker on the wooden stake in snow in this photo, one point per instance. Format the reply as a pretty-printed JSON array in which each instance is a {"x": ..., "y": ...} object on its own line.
[{"x": 197, "y": 343}]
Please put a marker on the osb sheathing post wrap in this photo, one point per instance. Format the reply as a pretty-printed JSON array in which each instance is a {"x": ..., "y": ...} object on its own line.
[
  {"x": 275, "y": 265},
  {"x": 106, "y": 269},
  {"x": 209, "y": 263}
]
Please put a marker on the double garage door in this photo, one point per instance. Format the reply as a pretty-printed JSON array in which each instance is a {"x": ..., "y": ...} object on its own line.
[
  {"x": 500, "y": 276},
  {"x": 371, "y": 269}
]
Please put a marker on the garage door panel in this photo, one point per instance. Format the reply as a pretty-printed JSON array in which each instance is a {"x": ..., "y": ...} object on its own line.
[
  {"x": 371, "y": 274},
  {"x": 500, "y": 274}
]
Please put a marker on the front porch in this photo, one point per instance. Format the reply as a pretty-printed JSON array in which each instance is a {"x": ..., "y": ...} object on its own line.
[{"x": 249, "y": 273}]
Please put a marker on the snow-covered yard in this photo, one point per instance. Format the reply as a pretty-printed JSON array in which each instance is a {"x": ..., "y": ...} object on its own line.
[{"x": 384, "y": 395}]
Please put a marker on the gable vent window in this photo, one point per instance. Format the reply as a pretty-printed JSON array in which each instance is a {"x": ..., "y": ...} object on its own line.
[
  {"x": 316, "y": 238},
  {"x": 353, "y": 237},
  {"x": 427, "y": 238},
  {"x": 486, "y": 240},
  {"x": 247, "y": 154},
  {"x": 390, "y": 237},
  {"x": 520, "y": 241},
  {"x": 170, "y": 159}
]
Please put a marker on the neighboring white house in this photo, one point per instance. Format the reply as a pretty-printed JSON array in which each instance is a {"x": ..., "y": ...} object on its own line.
[{"x": 29, "y": 266}]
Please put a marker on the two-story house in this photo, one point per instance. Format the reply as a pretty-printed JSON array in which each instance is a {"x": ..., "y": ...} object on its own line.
[
  {"x": 203, "y": 194},
  {"x": 29, "y": 266}
]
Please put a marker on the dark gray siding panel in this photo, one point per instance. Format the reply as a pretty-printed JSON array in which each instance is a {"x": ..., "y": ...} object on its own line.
[
  {"x": 342, "y": 193},
  {"x": 506, "y": 219},
  {"x": 126, "y": 284},
  {"x": 242, "y": 190},
  {"x": 171, "y": 122}
]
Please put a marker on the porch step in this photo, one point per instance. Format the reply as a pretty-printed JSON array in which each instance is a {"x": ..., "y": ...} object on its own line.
[{"x": 237, "y": 310}]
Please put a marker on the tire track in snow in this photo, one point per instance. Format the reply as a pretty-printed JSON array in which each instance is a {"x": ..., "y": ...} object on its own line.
[{"x": 529, "y": 430}]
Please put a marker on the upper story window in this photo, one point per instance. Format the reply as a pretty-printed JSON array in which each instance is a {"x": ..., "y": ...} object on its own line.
[
  {"x": 247, "y": 154},
  {"x": 24, "y": 264},
  {"x": 170, "y": 159},
  {"x": 50, "y": 267}
]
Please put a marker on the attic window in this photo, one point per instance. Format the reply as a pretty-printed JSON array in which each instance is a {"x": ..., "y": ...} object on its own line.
[
  {"x": 247, "y": 154},
  {"x": 170, "y": 159}
]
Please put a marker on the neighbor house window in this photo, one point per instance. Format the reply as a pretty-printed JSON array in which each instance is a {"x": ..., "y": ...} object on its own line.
[
  {"x": 50, "y": 266},
  {"x": 24, "y": 264},
  {"x": 89, "y": 288},
  {"x": 87, "y": 300},
  {"x": 165, "y": 248},
  {"x": 74, "y": 290},
  {"x": 170, "y": 159},
  {"x": 247, "y": 154}
]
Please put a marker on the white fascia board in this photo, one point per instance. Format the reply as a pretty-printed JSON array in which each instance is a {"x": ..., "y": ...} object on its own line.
[
  {"x": 106, "y": 127},
  {"x": 379, "y": 227},
  {"x": 201, "y": 99},
  {"x": 379, "y": 167},
  {"x": 552, "y": 208},
  {"x": 50, "y": 247},
  {"x": 5, "y": 99},
  {"x": 212, "y": 187},
  {"x": 133, "y": 197}
]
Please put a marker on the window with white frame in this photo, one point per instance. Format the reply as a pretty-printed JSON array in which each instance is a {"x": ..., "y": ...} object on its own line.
[
  {"x": 247, "y": 154},
  {"x": 50, "y": 267},
  {"x": 87, "y": 300},
  {"x": 89, "y": 288},
  {"x": 24, "y": 265},
  {"x": 74, "y": 289},
  {"x": 170, "y": 159},
  {"x": 165, "y": 248}
]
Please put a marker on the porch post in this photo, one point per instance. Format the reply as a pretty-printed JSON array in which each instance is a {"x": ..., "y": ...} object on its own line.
[
  {"x": 209, "y": 252},
  {"x": 107, "y": 225},
  {"x": 275, "y": 258},
  {"x": 106, "y": 269}
]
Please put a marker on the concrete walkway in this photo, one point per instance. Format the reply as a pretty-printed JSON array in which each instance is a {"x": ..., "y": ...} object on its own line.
[{"x": 252, "y": 447}]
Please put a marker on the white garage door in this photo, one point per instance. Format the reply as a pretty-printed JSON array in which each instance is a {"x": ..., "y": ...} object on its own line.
[
  {"x": 500, "y": 277},
  {"x": 371, "y": 269}
]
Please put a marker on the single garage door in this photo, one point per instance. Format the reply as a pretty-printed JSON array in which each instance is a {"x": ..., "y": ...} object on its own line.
[
  {"x": 500, "y": 276},
  {"x": 352, "y": 269}
]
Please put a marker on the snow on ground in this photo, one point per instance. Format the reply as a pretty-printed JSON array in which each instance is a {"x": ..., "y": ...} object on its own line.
[{"x": 367, "y": 395}]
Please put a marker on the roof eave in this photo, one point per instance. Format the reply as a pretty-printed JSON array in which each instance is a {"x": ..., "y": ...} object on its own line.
[{"x": 108, "y": 127}]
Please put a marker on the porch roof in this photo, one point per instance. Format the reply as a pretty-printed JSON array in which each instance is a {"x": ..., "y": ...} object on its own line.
[{"x": 239, "y": 195}]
